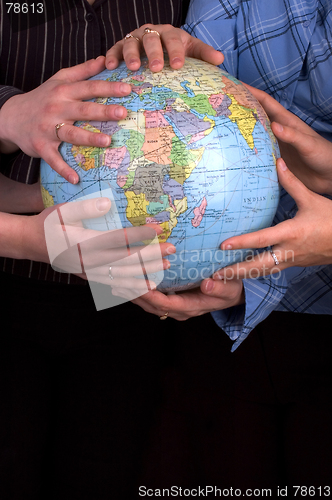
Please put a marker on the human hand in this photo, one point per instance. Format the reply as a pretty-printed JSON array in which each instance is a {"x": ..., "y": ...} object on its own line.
[
  {"x": 57, "y": 236},
  {"x": 305, "y": 240},
  {"x": 27, "y": 121},
  {"x": 212, "y": 295},
  {"x": 177, "y": 42},
  {"x": 307, "y": 154}
]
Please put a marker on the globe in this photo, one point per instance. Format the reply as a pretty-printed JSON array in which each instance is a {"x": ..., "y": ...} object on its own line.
[{"x": 195, "y": 154}]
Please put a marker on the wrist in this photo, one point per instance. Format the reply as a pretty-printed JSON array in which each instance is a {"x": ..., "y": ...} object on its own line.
[
  {"x": 12, "y": 228},
  {"x": 7, "y": 146}
]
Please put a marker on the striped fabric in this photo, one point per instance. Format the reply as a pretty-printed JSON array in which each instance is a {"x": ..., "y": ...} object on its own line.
[
  {"x": 285, "y": 48},
  {"x": 78, "y": 32}
]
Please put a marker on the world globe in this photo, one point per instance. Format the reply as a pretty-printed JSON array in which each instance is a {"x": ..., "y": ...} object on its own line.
[{"x": 195, "y": 154}]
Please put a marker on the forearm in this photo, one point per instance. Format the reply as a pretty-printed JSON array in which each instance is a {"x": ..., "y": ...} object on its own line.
[{"x": 16, "y": 197}]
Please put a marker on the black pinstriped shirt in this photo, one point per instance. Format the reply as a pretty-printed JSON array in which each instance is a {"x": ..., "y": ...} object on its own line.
[{"x": 31, "y": 52}]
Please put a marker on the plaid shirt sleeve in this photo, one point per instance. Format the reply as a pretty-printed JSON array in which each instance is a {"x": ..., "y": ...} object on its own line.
[
  {"x": 307, "y": 290},
  {"x": 304, "y": 290},
  {"x": 285, "y": 48}
]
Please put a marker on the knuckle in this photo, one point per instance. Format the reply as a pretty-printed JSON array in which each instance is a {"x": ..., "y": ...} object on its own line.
[
  {"x": 50, "y": 108},
  {"x": 60, "y": 90},
  {"x": 71, "y": 134},
  {"x": 37, "y": 145},
  {"x": 168, "y": 27},
  {"x": 94, "y": 87},
  {"x": 61, "y": 73},
  {"x": 84, "y": 109}
]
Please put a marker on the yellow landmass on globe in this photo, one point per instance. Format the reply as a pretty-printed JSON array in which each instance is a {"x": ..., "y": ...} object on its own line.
[
  {"x": 48, "y": 199},
  {"x": 180, "y": 207},
  {"x": 135, "y": 120},
  {"x": 136, "y": 211},
  {"x": 244, "y": 119}
]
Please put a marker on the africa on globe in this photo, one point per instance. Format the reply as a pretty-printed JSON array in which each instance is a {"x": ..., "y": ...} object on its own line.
[{"x": 195, "y": 154}]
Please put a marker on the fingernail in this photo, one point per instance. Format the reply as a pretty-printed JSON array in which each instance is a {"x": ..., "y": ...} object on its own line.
[
  {"x": 278, "y": 127},
  {"x": 209, "y": 285},
  {"x": 73, "y": 179},
  {"x": 151, "y": 286},
  {"x": 119, "y": 112},
  {"x": 133, "y": 61},
  {"x": 170, "y": 249},
  {"x": 176, "y": 61},
  {"x": 227, "y": 247},
  {"x": 281, "y": 164},
  {"x": 125, "y": 88},
  {"x": 103, "y": 204},
  {"x": 166, "y": 264},
  {"x": 218, "y": 276},
  {"x": 155, "y": 63},
  {"x": 104, "y": 140}
]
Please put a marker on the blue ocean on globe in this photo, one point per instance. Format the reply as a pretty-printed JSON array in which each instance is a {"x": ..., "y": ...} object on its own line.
[{"x": 195, "y": 154}]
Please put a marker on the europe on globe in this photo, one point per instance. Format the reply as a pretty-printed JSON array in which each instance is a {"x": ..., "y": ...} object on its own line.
[{"x": 195, "y": 154}]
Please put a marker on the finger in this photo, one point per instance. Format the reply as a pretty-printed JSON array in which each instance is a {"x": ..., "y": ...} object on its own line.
[
  {"x": 94, "y": 249},
  {"x": 84, "y": 111},
  {"x": 75, "y": 211},
  {"x": 152, "y": 43},
  {"x": 172, "y": 40},
  {"x": 95, "y": 88},
  {"x": 262, "y": 265},
  {"x": 201, "y": 50},
  {"x": 136, "y": 255},
  {"x": 277, "y": 112},
  {"x": 114, "y": 55},
  {"x": 294, "y": 136},
  {"x": 55, "y": 161},
  {"x": 80, "y": 137},
  {"x": 138, "y": 298},
  {"x": 297, "y": 190},
  {"x": 82, "y": 71},
  {"x": 128, "y": 240},
  {"x": 276, "y": 234},
  {"x": 273, "y": 108},
  {"x": 131, "y": 52},
  {"x": 222, "y": 289},
  {"x": 148, "y": 268},
  {"x": 257, "y": 239},
  {"x": 135, "y": 286}
]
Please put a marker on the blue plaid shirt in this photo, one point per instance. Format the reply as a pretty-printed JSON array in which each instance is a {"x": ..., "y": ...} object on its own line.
[{"x": 283, "y": 47}]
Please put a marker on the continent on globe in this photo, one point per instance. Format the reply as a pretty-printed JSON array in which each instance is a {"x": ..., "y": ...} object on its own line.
[{"x": 195, "y": 154}]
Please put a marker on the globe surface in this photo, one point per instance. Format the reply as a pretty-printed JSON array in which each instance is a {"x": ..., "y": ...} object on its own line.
[{"x": 195, "y": 154}]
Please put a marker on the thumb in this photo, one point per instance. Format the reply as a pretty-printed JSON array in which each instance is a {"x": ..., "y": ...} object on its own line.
[
  {"x": 298, "y": 191},
  {"x": 293, "y": 134},
  {"x": 82, "y": 71},
  {"x": 75, "y": 211}
]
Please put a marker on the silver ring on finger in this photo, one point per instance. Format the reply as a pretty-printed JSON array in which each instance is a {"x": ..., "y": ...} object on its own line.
[
  {"x": 274, "y": 257},
  {"x": 149, "y": 30},
  {"x": 110, "y": 275},
  {"x": 129, "y": 35},
  {"x": 57, "y": 128}
]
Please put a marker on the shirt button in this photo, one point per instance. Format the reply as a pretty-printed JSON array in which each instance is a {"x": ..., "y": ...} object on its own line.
[
  {"x": 306, "y": 24},
  {"x": 89, "y": 17},
  {"x": 284, "y": 95}
]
